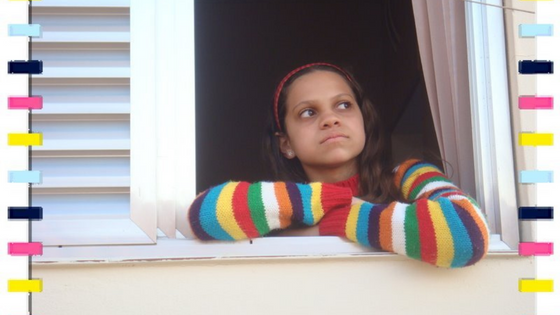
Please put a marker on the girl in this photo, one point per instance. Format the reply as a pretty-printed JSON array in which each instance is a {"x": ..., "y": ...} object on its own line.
[{"x": 326, "y": 142}]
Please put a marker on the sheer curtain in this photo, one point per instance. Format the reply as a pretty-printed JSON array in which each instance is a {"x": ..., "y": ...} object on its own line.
[{"x": 440, "y": 26}]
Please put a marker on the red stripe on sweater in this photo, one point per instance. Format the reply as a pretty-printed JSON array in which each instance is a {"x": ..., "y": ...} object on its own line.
[
  {"x": 241, "y": 210},
  {"x": 427, "y": 233}
]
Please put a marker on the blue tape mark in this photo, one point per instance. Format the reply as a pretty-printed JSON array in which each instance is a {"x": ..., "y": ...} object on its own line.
[
  {"x": 32, "y": 177},
  {"x": 32, "y": 30},
  {"x": 532, "y": 30},
  {"x": 533, "y": 177},
  {"x": 25, "y": 213},
  {"x": 536, "y": 67},
  {"x": 23, "y": 66},
  {"x": 536, "y": 213}
]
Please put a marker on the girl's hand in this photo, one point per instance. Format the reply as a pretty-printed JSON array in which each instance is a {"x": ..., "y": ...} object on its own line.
[{"x": 356, "y": 200}]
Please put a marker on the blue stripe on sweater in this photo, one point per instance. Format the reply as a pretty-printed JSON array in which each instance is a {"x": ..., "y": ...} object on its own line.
[
  {"x": 462, "y": 245},
  {"x": 208, "y": 218},
  {"x": 363, "y": 222},
  {"x": 306, "y": 191}
]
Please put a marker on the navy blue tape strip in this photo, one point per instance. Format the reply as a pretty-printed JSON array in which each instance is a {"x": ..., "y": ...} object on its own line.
[
  {"x": 25, "y": 213},
  {"x": 536, "y": 213},
  {"x": 26, "y": 67},
  {"x": 535, "y": 66}
]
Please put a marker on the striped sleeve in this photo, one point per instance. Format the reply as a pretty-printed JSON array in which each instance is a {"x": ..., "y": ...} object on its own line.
[
  {"x": 241, "y": 210},
  {"x": 438, "y": 224}
]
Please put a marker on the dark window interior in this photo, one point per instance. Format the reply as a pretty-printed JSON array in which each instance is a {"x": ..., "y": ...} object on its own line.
[{"x": 244, "y": 47}]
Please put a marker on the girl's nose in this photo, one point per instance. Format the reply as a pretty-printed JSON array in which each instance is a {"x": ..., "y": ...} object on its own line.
[{"x": 330, "y": 120}]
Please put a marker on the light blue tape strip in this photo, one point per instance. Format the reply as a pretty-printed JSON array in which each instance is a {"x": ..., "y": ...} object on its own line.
[
  {"x": 532, "y": 177},
  {"x": 33, "y": 177},
  {"x": 33, "y": 30},
  {"x": 532, "y": 30}
]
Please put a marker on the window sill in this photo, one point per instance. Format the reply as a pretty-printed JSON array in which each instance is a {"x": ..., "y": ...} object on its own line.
[{"x": 262, "y": 248}]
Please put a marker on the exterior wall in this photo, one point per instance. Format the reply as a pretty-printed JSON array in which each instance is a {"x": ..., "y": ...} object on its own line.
[{"x": 385, "y": 284}]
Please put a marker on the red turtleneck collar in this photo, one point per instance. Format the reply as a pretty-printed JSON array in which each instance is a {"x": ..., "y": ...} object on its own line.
[{"x": 353, "y": 183}]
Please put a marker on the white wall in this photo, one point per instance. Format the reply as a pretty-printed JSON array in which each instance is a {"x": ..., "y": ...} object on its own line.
[{"x": 336, "y": 285}]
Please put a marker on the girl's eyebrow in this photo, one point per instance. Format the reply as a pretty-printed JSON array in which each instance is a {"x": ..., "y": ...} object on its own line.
[{"x": 311, "y": 101}]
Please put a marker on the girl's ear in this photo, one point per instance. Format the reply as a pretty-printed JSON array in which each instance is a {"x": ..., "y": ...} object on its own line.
[{"x": 285, "y": 146}]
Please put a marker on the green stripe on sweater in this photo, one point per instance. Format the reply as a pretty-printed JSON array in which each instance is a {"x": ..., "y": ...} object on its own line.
[
  {"x": 412, "y": 233},
  {"x": 256, "y": 206}
]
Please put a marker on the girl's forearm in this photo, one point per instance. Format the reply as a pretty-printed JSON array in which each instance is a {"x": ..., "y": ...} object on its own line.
[{"x": 240, "y": 210}]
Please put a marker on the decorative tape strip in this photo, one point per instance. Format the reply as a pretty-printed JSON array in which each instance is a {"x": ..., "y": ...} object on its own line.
[
  {"x": 33, "y": 102},
  {"x": 25, "y": 213},
  {"x": 532, "y": 30},
  {"x": 25, "y": 139},
  {"x": 536, "y": 139},
  {"x": 536, "y": 213},
  {"x": 536, "y": 67},
  {"x": 536, "y": 249},
  {"x": 25, "y": 249},
  {"x": 35, "y": 285},
  {"x": 533, "y": 285},
  {"x": 31, "y": 177},
  {"x": 25, "y": 67},
  {"x": 32, "y": 30},
  {"x": 534, "y": 177},
  {"x": 536, "y": 102}
]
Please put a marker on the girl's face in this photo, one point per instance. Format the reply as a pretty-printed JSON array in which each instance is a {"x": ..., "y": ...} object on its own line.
[{"x": 324, "y": 126}]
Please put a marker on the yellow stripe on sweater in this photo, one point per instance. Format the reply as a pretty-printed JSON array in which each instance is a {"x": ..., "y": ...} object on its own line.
[
  {"x": 316, "y": 205},
  {"x": 224, "y": 212},
  {"x": 352, "y": 222},
  {"x": 444, "y": 239}
]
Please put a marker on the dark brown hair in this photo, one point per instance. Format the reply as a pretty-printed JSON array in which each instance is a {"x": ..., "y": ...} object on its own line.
[{"x": 375, "y": 162}]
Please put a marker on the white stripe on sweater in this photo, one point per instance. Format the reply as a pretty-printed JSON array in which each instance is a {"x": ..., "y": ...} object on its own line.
[
  {"x": 436, "y": 185},
  {"x": 272, "y": 209},
  {"x": 397, "y": 222}
]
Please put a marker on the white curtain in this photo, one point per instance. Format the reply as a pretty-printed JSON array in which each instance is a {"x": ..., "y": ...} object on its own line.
[{"x": 440, "y": 26}]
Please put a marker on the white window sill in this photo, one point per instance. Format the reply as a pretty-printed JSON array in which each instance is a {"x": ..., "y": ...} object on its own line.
[{"x": 262, "y": 248}]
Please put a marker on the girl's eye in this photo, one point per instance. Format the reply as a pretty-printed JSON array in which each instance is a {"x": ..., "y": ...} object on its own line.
[
  {"x": 344, "y": 104},
  {"x": 307, "y": 113}
]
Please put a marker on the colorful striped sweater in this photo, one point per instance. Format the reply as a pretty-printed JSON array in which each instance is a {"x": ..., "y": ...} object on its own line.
[{"x": 438, "y": 223}]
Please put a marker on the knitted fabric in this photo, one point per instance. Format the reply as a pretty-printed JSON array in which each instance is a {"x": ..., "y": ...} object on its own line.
[
  {"x": 240, "y": 210},
  {"x": 439, "y": 224}
]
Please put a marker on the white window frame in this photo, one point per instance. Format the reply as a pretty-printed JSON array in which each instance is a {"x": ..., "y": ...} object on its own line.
[
  {"x": 490, "y": 115},
  {"x": 173, "y": 88}
]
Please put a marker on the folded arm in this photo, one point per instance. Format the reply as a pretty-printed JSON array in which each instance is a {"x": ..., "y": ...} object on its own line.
[
  {"x": 438, "y": 224},
  {"x": 241, "y": 210}
]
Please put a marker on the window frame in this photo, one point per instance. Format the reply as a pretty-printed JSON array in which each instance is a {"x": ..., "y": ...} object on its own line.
[
  {"x": 490, "y": 115},
  {"x": 147, "y": 44}
]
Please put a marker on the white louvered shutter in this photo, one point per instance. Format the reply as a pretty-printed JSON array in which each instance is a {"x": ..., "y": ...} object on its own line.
[{"x": 86, "y": 193}]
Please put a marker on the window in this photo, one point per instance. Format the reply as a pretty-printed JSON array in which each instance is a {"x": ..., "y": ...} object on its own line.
[{"x": 172, "y": 154}]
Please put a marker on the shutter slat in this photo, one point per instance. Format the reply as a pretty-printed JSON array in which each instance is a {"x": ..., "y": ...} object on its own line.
[
  {"x": 95, "y": 144},
  {"x": 82, "y": 4},
  {"x": 83, "y": 108},
  {"x": 84, "y": 72},
  {"x": 83, "y": 37},
  {"x": 83, "y": 182}
]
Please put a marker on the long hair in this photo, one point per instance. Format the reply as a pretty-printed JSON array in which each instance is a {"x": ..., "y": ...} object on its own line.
[{"x": 375, "y": 163}]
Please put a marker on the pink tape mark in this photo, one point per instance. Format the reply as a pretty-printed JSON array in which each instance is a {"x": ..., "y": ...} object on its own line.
[
  {"x": 33, "y": 102},
  {"x": 25, "y": 249},
  {"x": 534, "y": 102},
  {"x": 536, "y": 249}
]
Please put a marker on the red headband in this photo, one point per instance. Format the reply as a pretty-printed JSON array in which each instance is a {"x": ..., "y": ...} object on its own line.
[{"x": 289, "y": 75}]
